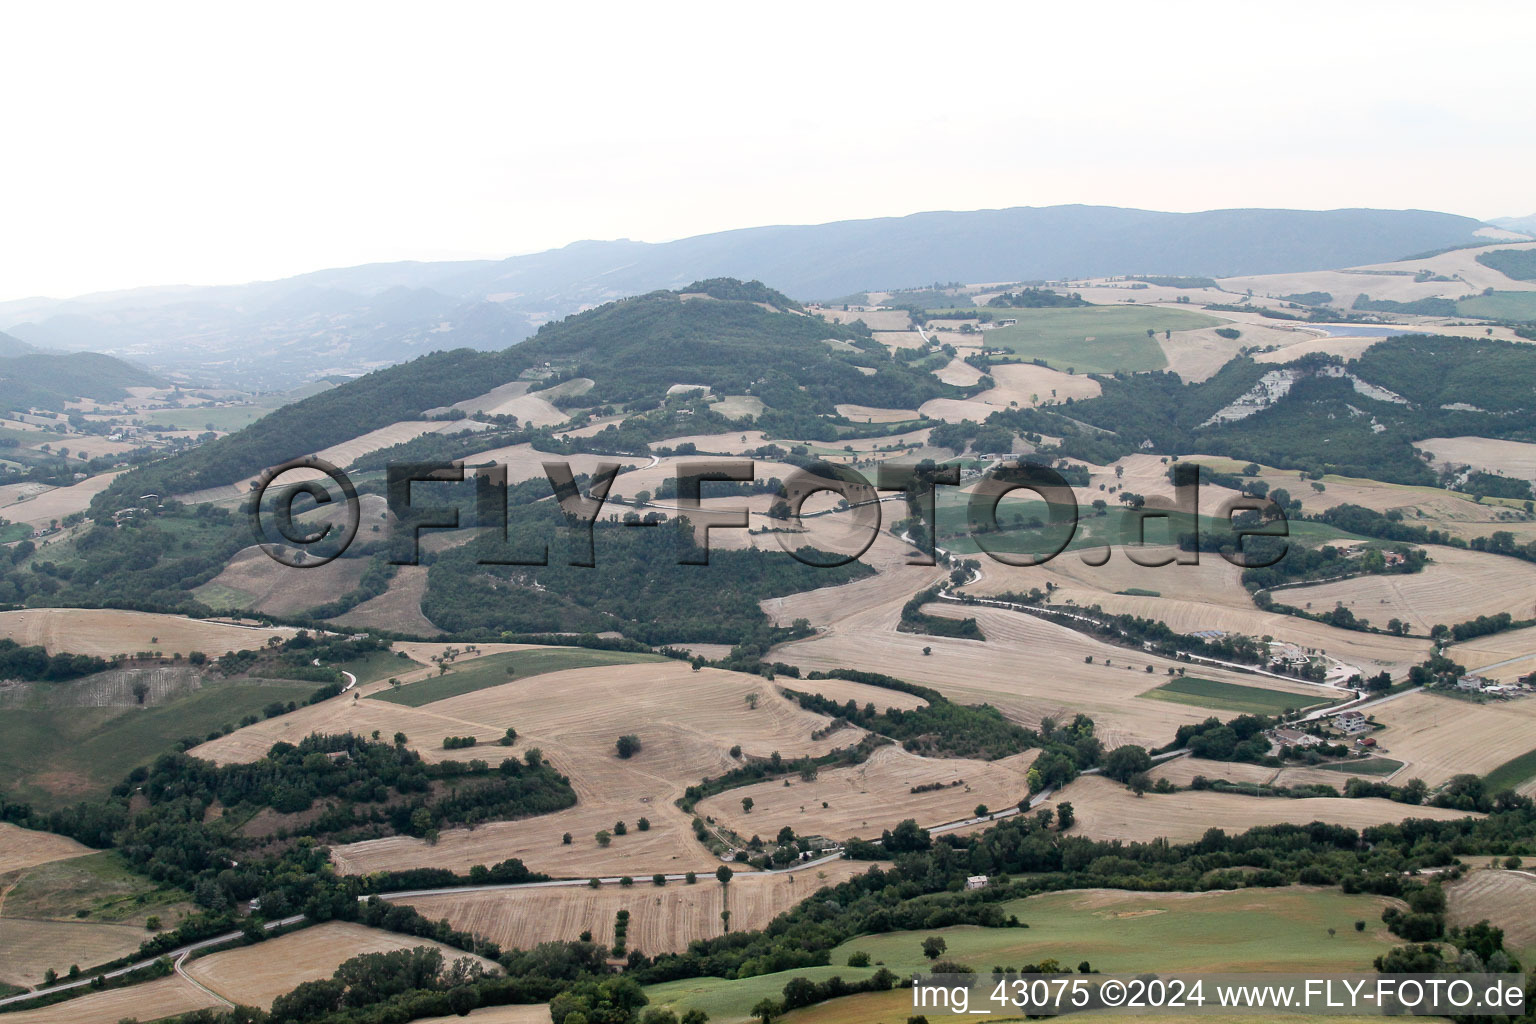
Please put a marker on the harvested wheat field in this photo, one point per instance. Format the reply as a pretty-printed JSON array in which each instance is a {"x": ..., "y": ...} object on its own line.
[
  {"x": 1344, "y": 347},
  {"x": 1511, "y": 458},
  {"x": 662, "y": 920},
  {"x": 875, "y": 319},
  {"x": 1027, "y": 384},
  {"x": 874, "y": 414},
  {"x": 1368, "y": 653},
  {"x": 256, "y": 975},
  {"x": 1438, "y": 737},
  {"x": 842, "y": 691},
  {"x": 104, "y": 632},
  {"x": 152, "y": 1000},
  {"x": 29, "y": 948},
  {"x": 866, "y": 799},
  {"x": 1181, "y": 771},
  {"x": 1197, "y": 355},
  {"x": 687, "y": 722},
  {"x": 1505, "y": 898},
  {"x": 1456, "y": 586},
  {"x": 899, "y": 339},
  {"x": 348, "y": 452},
  {"x": 1106, "y": 810},
  {"x": 1213, "y": 580},
  {"x": 58, "y": 502},
  {"x": 1027, "y": 667},
  {"x": 398, "y": 609},
  {"x": 1516, "y": 646},
  {"x": 23, "y": 848}
]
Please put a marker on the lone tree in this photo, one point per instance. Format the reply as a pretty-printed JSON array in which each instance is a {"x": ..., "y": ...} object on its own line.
[
  {"x": 934, "y": 947},
  {"x": 140, "y": 690},
  {"x": 1124, "y": 762},
  {"x": 628, "y": 745},
  {"x": 746, "y": 804},
  {"x": 724, "y": 874},
  {"x": 1065, "y": 816},
  {"x": 766, "y": 1009}
]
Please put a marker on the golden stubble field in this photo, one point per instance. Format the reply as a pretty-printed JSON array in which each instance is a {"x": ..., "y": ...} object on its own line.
[
  {"x": 1456, "y": 586},
  {"x": 256, "y": 975},
  {"x": 153, "y": 1000},
  {"x": 1505, "y": 898},
  {"x": 28, "y": 948},
  {"x": 662, "y": 920},
  {"x": 23, "y": 848},
  {"x": 1027, "y": 667},
  {"x": 1438, "y": 737},
  {"x": 864, "y": 800},
  {"x": 104, "y": 632},
  {"x": 1107, "y": 810},
  {"x": 687, "y": 722}
]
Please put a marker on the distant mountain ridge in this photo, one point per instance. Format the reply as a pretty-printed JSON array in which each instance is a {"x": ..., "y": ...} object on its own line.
[{"x": 358, "y": 318}]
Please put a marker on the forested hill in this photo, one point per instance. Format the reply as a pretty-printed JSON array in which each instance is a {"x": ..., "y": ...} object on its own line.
[
  {"x": 735, "y": 338},
  {"x": 46, "y": 380},
  {"x": 1355, "y": 418}
]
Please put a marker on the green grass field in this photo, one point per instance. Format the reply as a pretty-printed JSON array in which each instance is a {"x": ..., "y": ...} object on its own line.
[
  {"x": 1246, "y": 930},
  {"x": 96, "y": 887},
  {"x": 1252, "y": 700},
  {"x": 1500, "y": 306},
  {"x": 56, "y": 756},
  {"x": 1512, "y": 773},
  {"x": 496, "y": 669},
  {"x": 1093, "y": 339}
]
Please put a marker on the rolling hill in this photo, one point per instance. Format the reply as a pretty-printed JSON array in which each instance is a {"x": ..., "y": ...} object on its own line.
[{"x": 277, "y": 333}]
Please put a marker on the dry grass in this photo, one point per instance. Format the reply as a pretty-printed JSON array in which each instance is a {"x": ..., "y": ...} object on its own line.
[
  {"x": 104, "y": 632},
  {"x": 23, "y": 848},
  {"x": 1456, "y": 586},
  {"x": 163, "y": 997},
  {"x": 256, "y": 975},
  {"x": 349, "y": 451},
  {"x": 1512, "y": 458},
  {"x": 254, "y": 581},
  {"x": 1437, "y": 737},
  {"x": 1106, "y": 810},
  {"x": 1505, "y": 898},
  {"x": 662, "y": 920},
  {"x": 29, "y": 948},
  {"x": 866, "y": 799},
  {"x": 397, "y": 609},
  {"x": 687, "y": 721},
  {"x": 531, "y": 1014}
]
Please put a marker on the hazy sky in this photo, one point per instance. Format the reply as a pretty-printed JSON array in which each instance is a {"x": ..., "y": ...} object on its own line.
[{"x": 153, "y": 143}]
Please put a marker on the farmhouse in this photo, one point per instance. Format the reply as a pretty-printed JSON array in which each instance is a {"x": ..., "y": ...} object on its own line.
[
  {"x": 976, "y": 882},
  {"x": 1351, "y": 723},
  {"x": 1470, "y": 681},
  {"x": 1295, "y": 738}
]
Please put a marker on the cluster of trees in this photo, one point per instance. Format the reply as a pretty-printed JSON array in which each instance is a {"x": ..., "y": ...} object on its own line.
[
  {"x": 945, "y": 729},
  {"x": 1037, "y": 298},
  {"x": 915, "y": 620},
  {"x": 638, "y": 585},
  {"x": 36, "y": 664},
  {"x": 1300, "y": 564}
]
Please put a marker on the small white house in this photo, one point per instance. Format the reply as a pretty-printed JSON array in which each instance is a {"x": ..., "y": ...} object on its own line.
[
  {"x": 1470, "y": 681},
  {"x": 976, "y": 882}
]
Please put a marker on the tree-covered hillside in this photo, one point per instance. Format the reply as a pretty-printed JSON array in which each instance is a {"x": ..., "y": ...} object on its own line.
[
  {"x": 634, "y": 350},
  {"x": 46, "y": 380}
]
